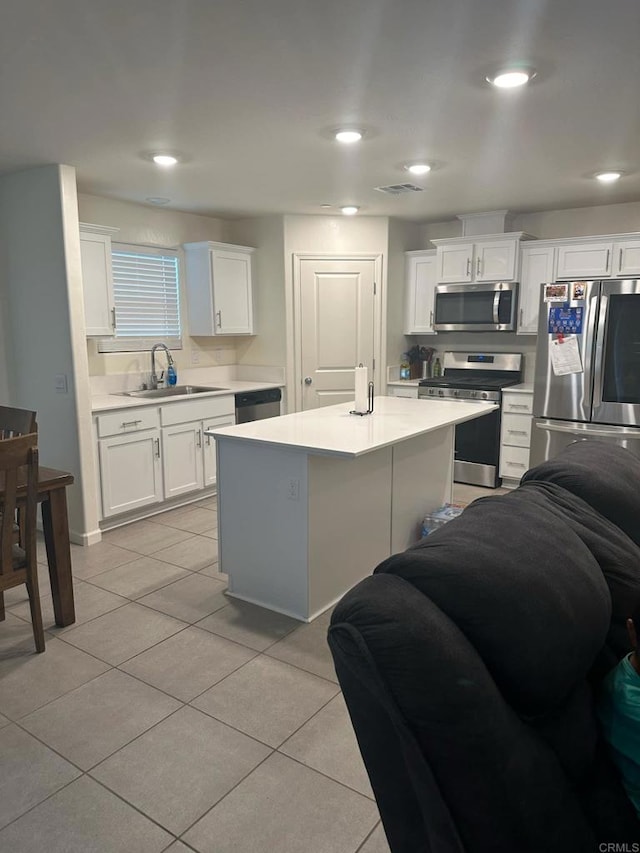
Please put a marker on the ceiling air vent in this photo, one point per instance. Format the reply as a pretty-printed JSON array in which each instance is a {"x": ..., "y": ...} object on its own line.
[{"x": 398, "y": 189}]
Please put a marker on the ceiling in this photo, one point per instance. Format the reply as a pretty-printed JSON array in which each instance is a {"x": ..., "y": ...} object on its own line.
[{"x": 247, "y": 91}]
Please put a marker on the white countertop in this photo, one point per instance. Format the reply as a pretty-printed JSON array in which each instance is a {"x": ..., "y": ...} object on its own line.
[
  {"x": 103, "y": 402},
  {"x": 523, "y": 388},
  {"x": 335, "y": 432},
  {"x": 413, "y": 383}
]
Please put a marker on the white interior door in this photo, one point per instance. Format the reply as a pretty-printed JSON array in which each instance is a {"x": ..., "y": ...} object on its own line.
[{"x": 337, "y": 327}]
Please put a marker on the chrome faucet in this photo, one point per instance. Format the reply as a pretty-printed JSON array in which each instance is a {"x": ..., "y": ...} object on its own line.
[{"x": 154, "y": 377}]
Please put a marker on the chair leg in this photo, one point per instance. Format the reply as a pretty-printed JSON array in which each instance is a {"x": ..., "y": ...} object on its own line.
[{"x": 36, "y": 611}]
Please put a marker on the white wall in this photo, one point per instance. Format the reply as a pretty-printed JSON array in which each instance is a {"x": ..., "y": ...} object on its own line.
[
  {"x": 41, "y": 281},
  {"x": 145, "y": 225},
  {"x": 550, "y": 224},
  {"x": 266, "y": 234}
]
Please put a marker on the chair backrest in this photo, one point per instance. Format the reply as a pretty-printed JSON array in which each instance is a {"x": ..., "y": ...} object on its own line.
[
  {"x": 15, "y": 422},
  {"x": 18, "y": 474}
]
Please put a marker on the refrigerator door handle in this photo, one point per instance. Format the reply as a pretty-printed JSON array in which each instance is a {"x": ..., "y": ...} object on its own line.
[{"x": 590, "y": 430}]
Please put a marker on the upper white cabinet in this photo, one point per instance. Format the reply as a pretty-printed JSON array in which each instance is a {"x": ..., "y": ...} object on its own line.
[
  {"x": 536, "y": 268},
  {"x": 627, "y": 257},
  {"x": 97, "y": 279},
  {"x": 219, "y": 289},
  {"x": 420, "y": 284},
  {"x": 591, "y": 259},
  {"x": 491, "y": 258}
]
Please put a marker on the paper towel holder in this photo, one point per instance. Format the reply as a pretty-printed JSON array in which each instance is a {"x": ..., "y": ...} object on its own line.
[{"x": 370, "y": 402}]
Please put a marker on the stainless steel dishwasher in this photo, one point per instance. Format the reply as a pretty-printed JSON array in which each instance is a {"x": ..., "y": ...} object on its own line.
[{"x": 256, "y": 405}]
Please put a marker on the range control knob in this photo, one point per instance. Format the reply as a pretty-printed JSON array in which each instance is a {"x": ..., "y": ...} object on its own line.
[
  {"x": 484, "y": 395},
  {"x": 441, "y": 392},
  {"x": 474, "y": 393},
  {"x": 456, "y": 393},
  {"x": 431, "y": 391}
]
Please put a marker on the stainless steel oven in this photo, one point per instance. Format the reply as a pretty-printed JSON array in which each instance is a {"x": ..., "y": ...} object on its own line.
[
  {"x": 482, "y": 307},
  {"x": 475, "y": 376}
]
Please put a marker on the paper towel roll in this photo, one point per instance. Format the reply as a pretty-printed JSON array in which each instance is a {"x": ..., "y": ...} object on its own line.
[{"x": 362, "y": 389}]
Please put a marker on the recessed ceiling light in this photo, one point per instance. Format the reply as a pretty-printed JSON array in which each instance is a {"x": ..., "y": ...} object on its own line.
[
  {"x": 164, "y": 159},
  {"x": 157, "y": 199},
  {"x": 418, "y": 168},
  {"x": 326, "y": 206},
  {"x": 511, "y": 78},
  {"x": 607, "y": 177},
  {"x": 350, "y": 210},
  {"x": 348, "y": 136}
]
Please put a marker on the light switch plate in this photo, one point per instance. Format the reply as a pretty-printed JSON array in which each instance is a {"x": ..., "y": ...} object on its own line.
[{"x": 61, "y": 385}]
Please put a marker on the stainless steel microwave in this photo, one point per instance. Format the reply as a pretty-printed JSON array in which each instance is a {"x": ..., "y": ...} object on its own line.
[{"x": 476, "y": 307}]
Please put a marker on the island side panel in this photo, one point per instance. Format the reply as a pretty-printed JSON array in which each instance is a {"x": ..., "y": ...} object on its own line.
[
  {"x": 349, "y": 522},
  {"x": 262, "y": 529},
  {"x": 422, "y": 481}
]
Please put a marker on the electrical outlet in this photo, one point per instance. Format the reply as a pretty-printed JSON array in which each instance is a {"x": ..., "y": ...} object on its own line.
[
  {"x": 195, "y": 356},
  {"x": 218, "y": 355},
  {"x": 293, "y": 490}
]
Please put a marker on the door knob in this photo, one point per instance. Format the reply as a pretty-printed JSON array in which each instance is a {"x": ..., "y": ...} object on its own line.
[{"x": 308, "y": 380}]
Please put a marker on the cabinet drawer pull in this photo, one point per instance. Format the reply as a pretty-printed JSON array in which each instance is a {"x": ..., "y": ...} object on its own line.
[
  {"x": 157, "y": 443},
  {"x": 518, "y": 406},
  {"x": 521, "y": 315},
  {"x": 517, "y": 431},
  {"x": 517, "y": 464},
  {"x": 113, "y": 318},
  {"x": 620, "y": 262},
  {"x": 199, "y": 438},
  {"x": 219, "y": 319},
  {"x": 431, "y": 318},
  {"x": 468, "y": 266},
  {"x": 125, "y": 424},
  {"x": 478, "y": 268},
  {"x": 607, "y": 261}
]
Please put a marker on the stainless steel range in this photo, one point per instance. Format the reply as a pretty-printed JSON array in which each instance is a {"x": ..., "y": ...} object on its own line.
[{"x": 475, "y": 376}]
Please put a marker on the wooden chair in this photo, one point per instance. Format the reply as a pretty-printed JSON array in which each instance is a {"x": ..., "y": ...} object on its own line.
[
  {"x": 15, "y": 422},
  {"x": 18, "y": 563}
]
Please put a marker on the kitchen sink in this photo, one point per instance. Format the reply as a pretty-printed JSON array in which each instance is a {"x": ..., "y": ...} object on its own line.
[{"x": 173, "y": 391}]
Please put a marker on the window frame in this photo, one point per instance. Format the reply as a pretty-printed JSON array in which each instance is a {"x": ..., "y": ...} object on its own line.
[{"x": 144, "y": 344}]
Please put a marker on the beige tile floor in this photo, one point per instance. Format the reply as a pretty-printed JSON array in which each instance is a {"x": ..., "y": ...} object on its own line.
[{"x": 170, "y": 711}]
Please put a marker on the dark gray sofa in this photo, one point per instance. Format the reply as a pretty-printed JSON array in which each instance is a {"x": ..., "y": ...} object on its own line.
[{"x": 470, "y": 661}]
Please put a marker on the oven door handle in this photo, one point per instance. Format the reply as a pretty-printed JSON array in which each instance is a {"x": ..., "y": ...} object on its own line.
[
  {"x": 606, "y": 433},
  {"x": 496, "y": 306}
]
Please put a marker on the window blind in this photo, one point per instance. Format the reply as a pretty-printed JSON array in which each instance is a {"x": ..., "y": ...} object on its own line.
[{"x": 145, "y": 289}]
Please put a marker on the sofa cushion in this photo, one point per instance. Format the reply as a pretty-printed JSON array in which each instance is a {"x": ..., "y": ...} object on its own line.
[{"x": 523, "y": 587}]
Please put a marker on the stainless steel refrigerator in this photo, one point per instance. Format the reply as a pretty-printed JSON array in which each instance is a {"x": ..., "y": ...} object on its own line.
[{"x": 602, "y": 400}]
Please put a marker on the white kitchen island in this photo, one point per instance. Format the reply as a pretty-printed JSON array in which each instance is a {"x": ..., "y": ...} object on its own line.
[{"x": 310, "y": 503}]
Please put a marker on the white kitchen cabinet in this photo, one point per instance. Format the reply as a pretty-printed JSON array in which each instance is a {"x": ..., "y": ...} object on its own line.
[
  {"x": 536, "y": 268},
  {"x": 494, "y": 258},
  {"x": 402, "y": 391},
  {"x": 627, "y": 257},
  {"x": 97, "y": 280},
  {"x": 129, "y": 459},
  {"x": 515, "y": 435},
  {"x": 591, "y": 259},
  {"x": 420, "y": 285},
  {"x": 219, "y": 289},
  {"x": 188, "y": 455}
]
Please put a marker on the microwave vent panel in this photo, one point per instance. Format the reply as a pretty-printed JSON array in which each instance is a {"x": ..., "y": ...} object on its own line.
[{"x": 399, "y": 189}]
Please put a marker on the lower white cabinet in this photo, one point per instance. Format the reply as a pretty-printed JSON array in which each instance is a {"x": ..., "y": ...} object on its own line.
[
  {"x": 154, "y": 453},
  {"x": 189, "y": 456},
  {"x": 130, "y": 471},
  {"x": 515, "y": 435}
]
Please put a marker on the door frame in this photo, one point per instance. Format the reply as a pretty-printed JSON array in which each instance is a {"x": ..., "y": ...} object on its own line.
[{"x": 294, "y": 362}]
